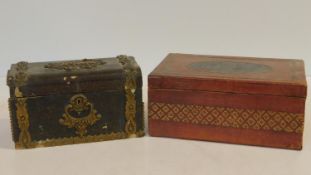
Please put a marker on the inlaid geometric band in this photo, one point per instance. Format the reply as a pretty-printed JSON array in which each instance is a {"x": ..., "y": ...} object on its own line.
[{"x": 228, "y": 117}]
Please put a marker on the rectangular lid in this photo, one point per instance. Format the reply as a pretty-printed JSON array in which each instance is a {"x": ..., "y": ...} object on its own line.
[
  {"x": 45, "y": 78},
  {"x": 230, "y": 74}
]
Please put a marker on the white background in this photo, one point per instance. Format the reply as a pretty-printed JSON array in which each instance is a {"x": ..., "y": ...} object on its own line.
[
  {"x": 56, "y": 30},
  {"x": 37, "y": 30}
]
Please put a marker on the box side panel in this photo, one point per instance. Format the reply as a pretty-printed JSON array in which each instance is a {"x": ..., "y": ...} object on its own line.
[
  {"x": 71, "y": 118},
  {"x": 13, "y": 119},
  {"x": 159, "y": 128},
  {"x": 140, "y": 122},
  {"x": 264, "y": 120},
  {"x": 46, "y": 114},
  {"x": 139, "y": 110}
]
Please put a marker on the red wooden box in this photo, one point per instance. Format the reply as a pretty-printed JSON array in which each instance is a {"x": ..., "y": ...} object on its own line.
[{"x": 253, "y": 101}]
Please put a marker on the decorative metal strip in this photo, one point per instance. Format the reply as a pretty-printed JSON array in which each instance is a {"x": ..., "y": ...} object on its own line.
[
  {"x": 20, "y": 76},
  {"x": 75, "y": 65},
  {"x": 23, "y": 122},
  {"x": 129, "y": 88},
  {"x": 228, "y": 117},
  {"x": 21, "y": 73},
  {"x": 77, "y": 139}
]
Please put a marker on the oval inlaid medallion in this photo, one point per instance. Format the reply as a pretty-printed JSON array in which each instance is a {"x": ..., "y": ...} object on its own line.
[{"x": 229, "y": 67}]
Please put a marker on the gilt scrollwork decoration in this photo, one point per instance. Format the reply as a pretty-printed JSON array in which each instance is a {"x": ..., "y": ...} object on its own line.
[
  {"x": 75, "y": 65},
  {"x": 79, "y": 114},
  {"x": 23, "y": 122}
]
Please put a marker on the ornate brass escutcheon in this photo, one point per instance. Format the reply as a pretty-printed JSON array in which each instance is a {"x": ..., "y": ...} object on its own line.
[{"x": 79, "y": 114}]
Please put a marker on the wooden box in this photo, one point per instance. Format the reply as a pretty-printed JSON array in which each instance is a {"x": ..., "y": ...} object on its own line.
[
  {"x": 253, "y": 101},
  {"x": 67, "y": 102}
]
